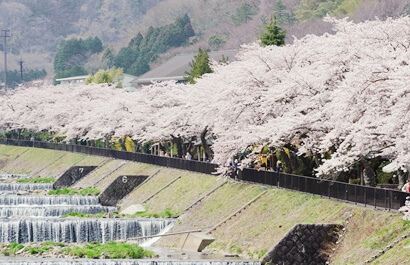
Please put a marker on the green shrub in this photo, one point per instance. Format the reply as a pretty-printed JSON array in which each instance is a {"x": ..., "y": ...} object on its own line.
[
  {"x": 66, "y": 191},
  {"x": 113, "y": 249},
  {"x": 36, "y": 180}
]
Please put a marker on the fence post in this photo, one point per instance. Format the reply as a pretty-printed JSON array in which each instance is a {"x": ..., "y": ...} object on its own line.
[
  {"x": 306, "y": 188},
  {"x": 347, "y": 192},
  {"x": 374, "y": 197},
  {"x": 298, "y": 183},
  {"x": 328, "y": 189},
  {"x": 365, "y": 198},
  {"x": 385, "y": 199},
  {"x": 291, "y": 182},
  {"x": 355, "y": 194}
]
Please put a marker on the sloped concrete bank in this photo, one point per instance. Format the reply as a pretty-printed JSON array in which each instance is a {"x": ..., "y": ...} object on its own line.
[{"x": 249, "y": 233}]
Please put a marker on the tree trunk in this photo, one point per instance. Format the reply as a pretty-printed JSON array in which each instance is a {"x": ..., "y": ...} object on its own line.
[
  {"x": 207, "y": 150},
  {"x": 180, "y": 146},
  {"x": 286, "y": 161},
  {"x": 136, "y": 145},
  {"x": 122, "y": 143},
  {"x": 403, "y": 177},
  {"x": 369, "y": 176}
]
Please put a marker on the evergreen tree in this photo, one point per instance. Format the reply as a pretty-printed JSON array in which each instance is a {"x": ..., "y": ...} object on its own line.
[
  {"x": 243, "y": 15},
  {"x": 284, "y": 17},
  {"x": 108, "y": 58},
  {"x": 142, "y": 50},
  {"x": 274, "y": 34},
  {"x": 199, "y": 66}
]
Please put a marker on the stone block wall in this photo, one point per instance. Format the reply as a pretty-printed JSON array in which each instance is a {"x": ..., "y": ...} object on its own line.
[
  {"x": 304, "y": 244},
  {"x": 119, "y": 188},
  {"x": 72, "y": 175}
]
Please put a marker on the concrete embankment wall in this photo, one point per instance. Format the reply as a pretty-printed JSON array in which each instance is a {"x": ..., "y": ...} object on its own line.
[{"x": 251, "y": 232}]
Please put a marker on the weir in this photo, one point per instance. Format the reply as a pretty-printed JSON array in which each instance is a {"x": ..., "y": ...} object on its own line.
[
  {"x": 14, "y": 176},
  {"x": 49, "y": 200},
  {"x": 129, "y": 262},
  {"x": 52, "y": 210},
  {"x": 78, "y": 229},
  {"x": 26, "y": 186}
]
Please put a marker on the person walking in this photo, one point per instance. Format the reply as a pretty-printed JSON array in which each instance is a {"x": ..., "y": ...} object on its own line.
[
  {"x": 279, "y": 166},
  {"x": 406, "y": 187}
]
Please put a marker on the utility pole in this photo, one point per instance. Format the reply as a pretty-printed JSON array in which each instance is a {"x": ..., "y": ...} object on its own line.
[
  {"x": 21, "y": 70},
  {"x": 5, "y": 33}
]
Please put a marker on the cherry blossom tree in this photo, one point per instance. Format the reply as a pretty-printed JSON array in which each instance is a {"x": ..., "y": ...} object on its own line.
[{"x": 345, "y": 92}]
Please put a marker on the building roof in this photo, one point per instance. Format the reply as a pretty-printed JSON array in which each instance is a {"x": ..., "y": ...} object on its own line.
[
  {"x": 73, "y": 78},
  {"x": 175, "y": 68}
]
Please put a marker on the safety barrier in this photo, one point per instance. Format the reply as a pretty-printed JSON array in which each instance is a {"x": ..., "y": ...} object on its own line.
[{"x": 368, "y": 196}]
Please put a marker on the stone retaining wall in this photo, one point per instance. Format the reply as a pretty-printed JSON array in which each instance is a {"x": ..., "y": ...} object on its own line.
[
  {"x": 72, "y": 175},
  {"x": 119, "y": 188},
  {"x": 304, "y": 244}
]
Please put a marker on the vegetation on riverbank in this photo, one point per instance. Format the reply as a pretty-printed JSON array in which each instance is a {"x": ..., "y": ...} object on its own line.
[
  {"x": 67, "y": 191},
  {"x": 36, "y": 180},
  {"x": 86, "y": 215},
  {"x": 95, "y": 250}
]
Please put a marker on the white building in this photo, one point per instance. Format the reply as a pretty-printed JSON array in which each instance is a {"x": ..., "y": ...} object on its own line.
[{"x": 126, "y": 80}]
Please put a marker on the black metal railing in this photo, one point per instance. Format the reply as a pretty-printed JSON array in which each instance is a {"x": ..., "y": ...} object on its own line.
[{"x": 368, "y": 196}]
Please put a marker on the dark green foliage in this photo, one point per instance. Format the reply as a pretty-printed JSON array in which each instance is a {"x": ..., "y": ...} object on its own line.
[
  {"x": 216, "y": 41},
  {"x": 72, "y": 54},
  {"x": 316, "y": 9},
  {"x": 14, "y": 77},
  {"x": 282, "y": 15},
  {"x": 243, "y": 15},
  {"x": 274, "y": 35},
  {"x": 199, "y": 66},
  {"x": 74, "y": 71},
  {"x": 135, "y": 58}
]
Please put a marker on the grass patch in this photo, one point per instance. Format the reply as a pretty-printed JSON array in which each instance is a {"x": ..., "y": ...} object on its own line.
[
  {"x": 34, "y": 251},
  {"x": 167, "y": 213},
  {"x": 113, "y": 249},
  {"x": 15, "y": 247},
  {"x": 36, "y": 180},
  {"x": 87, "y": 191},
  {"x": 85, "y": 215}
]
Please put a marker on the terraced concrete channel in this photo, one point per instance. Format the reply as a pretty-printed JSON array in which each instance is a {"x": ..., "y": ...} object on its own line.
[{"x": 28, "y": 214}]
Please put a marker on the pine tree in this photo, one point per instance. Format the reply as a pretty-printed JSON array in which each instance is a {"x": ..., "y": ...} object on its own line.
[
  {"x": 274, "y": 34},
  {"x": 199, "y": 66}
]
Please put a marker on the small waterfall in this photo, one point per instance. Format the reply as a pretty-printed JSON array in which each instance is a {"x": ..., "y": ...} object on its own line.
[
  {"x": 52, "y": 210},
  {"x": 128, "y": 262},
  {"x": 26, "y": 186},
  {"x": 14, "y": 176},
  {"x": 49, "y": 200},
  {"x": 78, "y": 229}
]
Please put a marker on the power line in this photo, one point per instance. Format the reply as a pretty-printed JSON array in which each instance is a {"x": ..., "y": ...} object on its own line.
[
  {"x": 5, "y": 33},
  {"x": 21, "y": 70}
]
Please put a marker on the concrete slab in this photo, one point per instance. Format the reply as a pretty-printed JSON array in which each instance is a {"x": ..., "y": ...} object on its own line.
[
  {"x": 196, "y": 241},
  {"x": 132, "y": 209}
]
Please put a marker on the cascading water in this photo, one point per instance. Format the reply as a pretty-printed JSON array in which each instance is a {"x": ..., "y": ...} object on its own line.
[
  {"x": 78, "y": 229},
  {"x": 52, "y": 210},
  {"x": 25, "y": 186},
  {"x": 49, "y": 200},
  {"x": 14, "y": 176},
  {"x": 130, "y": 262}
]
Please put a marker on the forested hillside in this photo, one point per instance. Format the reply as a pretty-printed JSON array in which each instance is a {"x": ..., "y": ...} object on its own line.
[{"x": 38, "y": 27}]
